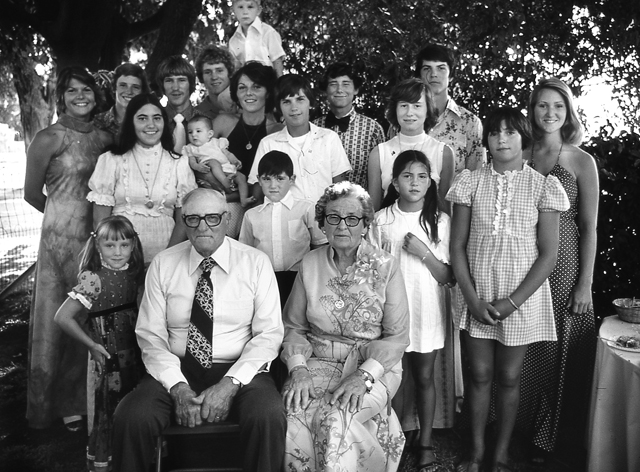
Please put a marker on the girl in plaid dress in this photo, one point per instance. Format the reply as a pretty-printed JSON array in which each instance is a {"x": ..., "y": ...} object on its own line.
[{"x": 504, "y": 245}]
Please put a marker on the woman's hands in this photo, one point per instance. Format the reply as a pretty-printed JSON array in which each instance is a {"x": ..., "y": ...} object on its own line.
[
  {"x": 98, "y": 354},
  {"x": 350, "y": 392},
  {"x": 504, "y": 307},
  {"x": 580, "y": 300},
  {"x": 298, "y": 389}
]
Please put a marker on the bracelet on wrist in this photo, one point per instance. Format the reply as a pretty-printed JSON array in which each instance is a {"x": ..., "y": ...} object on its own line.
[
  {"x": 513, "y": 304},
  {"x": 424, "y": 257},
  {"x": 298, "y": 367}
]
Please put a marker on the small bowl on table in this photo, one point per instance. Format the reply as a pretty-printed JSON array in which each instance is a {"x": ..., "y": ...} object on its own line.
[{"x": 628, "y": 309}]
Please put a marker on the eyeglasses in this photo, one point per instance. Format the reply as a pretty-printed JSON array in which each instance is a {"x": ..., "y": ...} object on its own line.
[
  {"x": 351, "y": 221},
  {"x": 212, "y": 219}
]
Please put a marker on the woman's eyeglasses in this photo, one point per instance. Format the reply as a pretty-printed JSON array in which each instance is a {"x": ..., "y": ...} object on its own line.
[
  {"x": 351, "y": 221},
  {"x": 212, "y": 219}
]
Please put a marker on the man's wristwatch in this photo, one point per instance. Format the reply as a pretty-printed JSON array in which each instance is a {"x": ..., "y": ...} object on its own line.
[
  {"x": 235, "y": 381},
  {"x": 368, "y": 379}
]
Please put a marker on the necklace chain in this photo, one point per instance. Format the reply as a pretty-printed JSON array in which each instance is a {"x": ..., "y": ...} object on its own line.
[
  {"x": 249, "y": 146},
  {"x": 150, "y": 203}
]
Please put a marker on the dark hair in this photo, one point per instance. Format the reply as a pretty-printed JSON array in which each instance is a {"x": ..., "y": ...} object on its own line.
[
  {"x": 291, "y": 84},
  {"x": 342, "y": 190},
  {"x": 430, "y": 212},
  {"x": 133, "y": 70},
  {"x": 410, "y": 90},
  {"x": 200, "y": 118},
  {"x": 175, "y": 65},
  {"x": 572, "y": 132},
  {"x": 436, "y": 52},
  {"x": 339, "y": 69},
  {"x": 82, "y": 75},
  {"x": 512, "y": 119},
  {"x": 113, "y": 227},
  {"x": 214, "y": 55},
  {"x": 275, "y": 163},
  {"x": 258, "y": 73},
  {"x": 128, "y": 138}
]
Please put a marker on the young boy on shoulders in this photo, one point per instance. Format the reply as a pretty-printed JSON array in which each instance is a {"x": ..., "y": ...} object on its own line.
[
  {"x": 283, "y": 227},
  {"x": 317, "y": 153},
  {"x": 253, "y": 39}
]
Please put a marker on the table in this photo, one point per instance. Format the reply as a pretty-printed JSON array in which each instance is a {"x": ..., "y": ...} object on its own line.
[{"x": 613, "y": 441}]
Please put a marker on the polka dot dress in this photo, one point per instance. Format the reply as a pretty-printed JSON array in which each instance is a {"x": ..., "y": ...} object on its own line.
[{"x": 556, "y": 376}]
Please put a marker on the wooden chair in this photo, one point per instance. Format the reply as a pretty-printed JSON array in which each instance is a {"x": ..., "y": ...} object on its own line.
[{"x": 205, "y": 444}]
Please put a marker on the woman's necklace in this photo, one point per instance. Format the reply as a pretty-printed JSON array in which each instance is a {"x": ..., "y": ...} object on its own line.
[
  {"x": 150, "y": 203},
  {"x": 249, "y": 146}
]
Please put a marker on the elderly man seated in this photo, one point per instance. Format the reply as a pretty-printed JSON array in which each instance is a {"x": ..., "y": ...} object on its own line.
[{"x": 209, "y": 326}]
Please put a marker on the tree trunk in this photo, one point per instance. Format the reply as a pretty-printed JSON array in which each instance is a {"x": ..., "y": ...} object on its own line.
[{"x": 177, "y": 24}]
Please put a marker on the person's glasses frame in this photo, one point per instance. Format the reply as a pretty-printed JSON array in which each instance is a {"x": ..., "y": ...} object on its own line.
[
  {"x": 211, "y": 219},
  {"x": 351, "y": 221}
]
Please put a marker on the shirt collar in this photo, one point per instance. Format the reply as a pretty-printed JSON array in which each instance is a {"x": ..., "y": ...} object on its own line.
[
  {"x": 453, "y": 107},
  {"x": 221, "y": 256},
  {"x": 287, "y": 201},
  {"x": 187, "y": 113},
  {"x": 257, "y": 25},
  {"x": 286, "y": 137}
]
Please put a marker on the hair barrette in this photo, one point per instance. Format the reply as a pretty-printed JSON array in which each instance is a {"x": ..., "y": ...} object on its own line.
[{"x": 93, "y": 234}]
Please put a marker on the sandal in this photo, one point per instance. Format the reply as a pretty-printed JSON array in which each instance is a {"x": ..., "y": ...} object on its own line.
[
  {"x": 464, "y": 465},
  {"x": 426, "y": 467},
  {"x": 501, "y": 467}
]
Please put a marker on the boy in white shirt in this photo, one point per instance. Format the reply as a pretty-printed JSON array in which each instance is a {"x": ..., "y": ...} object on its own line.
[
  {"x": 211, "y": 162},
  {"x": 253, "y": 39},
  {"x": 283, "y": 227}
]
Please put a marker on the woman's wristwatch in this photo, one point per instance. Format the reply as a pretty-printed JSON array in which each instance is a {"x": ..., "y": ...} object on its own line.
[{"x": 368, "y": 379}]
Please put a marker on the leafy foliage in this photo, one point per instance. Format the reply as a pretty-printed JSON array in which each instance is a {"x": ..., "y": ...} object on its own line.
[{"x": 617, "y": 270}]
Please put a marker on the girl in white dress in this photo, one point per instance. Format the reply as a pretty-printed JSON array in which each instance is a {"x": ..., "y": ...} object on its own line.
[{"x": 412, "y": 228}]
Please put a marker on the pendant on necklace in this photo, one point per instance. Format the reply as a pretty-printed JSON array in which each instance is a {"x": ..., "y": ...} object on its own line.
[
  {"x": 248, "y": 146},
  {"x": 149, "y": 204}
]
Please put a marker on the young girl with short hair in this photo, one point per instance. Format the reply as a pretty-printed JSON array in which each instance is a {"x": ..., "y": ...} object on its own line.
[
  {"x": 111, "y": 270},
  {"x": 504, "y": 245}
]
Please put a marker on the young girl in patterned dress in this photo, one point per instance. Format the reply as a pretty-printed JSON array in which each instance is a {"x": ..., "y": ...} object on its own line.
[
  {"x": 412, "y": 228},
  {"x": 504, "y": 245},
  {"x": 111, "y": 270}
]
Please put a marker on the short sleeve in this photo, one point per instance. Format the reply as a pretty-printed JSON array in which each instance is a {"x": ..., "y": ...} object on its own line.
[
  {"x": 223, "y": 143},
  {"x": 87, "y": 290},
  {"x": 339, "y": 160},
  {"x": 460, "y": 191},
  {"x": 102, "y": 183},
  {"x": 273, "y": 42},
  {"x": 553, "y": 198},
  {"x": 186, "y": 181}
]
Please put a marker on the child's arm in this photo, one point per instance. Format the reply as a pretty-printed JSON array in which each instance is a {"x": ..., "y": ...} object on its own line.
[
  {"x": 481, "y": 310},
  {"x": 278, "y": 65},
  {"x": 548, "y": 234},
  {"x": 193, "y": 163},
  {"x": 232, "y": 158},
  {"x": 374, "y": 173},
  {"x": 441, "y": 272},
  {"x": 66, "y": 319}
]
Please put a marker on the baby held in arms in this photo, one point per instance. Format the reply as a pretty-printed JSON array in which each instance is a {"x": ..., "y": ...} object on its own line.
[{"x": 212, "y": 163}]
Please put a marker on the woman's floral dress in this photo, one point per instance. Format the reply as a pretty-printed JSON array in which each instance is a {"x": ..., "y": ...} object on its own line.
[{"x": 335, "y": 324}]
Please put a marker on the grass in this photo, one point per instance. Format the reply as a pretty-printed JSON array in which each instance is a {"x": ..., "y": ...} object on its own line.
[{"x": 57, "y": 450}]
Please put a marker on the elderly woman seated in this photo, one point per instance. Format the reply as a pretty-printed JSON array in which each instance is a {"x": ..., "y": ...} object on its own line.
[{"x": 346, "y": 324}]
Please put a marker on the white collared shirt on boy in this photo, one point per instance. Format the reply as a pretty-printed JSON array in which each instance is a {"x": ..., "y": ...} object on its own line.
[
  {"x": 262, "y": 43},
  {"x": 317, "y": 159},
  {"x": 284, "y": 230}
]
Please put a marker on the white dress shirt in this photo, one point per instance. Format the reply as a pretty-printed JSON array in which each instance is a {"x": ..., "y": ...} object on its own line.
[
  {"x": 247, "y": 326},
  {"x": 283, "y": 230},
  {"x": 320, "y": 158}
]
